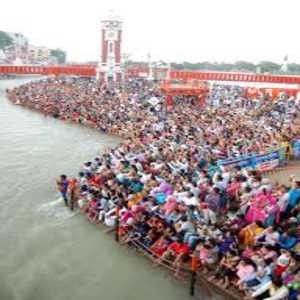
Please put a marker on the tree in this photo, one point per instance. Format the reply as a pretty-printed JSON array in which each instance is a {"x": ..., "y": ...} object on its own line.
[
  {"x": 206, "y": 66},
  {"x": 5, "y": 40},
  {"x": 294, "y": 68},
  {"x": 224, "y": 66},
  {"x": 244, "y": 66},
  {"x": 269, "y": 67},
  {"x": 238, "y": 66},
  {"x": 59, "y": 54},
  {"x": 176, "y": 66},
  {"x": 189, "y": 66}
]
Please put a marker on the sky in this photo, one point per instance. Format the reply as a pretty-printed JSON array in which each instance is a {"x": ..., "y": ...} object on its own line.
[{"x": 170, "y": 30}]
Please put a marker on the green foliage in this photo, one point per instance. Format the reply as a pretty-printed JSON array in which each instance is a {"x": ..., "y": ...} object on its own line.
[
  {"x": 269, "y": 67},
  {"x": 244, "y": 66},
  {"x": 5, "y": 40},
  {"x": 294, "y": 68},
  {"x": 238, "y": 66},
  {"x": 60, "y": 55}
]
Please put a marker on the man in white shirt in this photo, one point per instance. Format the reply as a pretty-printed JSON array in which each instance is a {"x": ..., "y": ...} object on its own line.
[{"x": 270, "y": 236}]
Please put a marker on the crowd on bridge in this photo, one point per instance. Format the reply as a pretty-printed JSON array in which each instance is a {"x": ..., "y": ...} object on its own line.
[{"x": 163, "y": 186}]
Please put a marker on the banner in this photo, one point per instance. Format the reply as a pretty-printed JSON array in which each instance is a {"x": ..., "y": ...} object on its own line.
[
  {"x": 296, "y": 149},
  {"x": 267, "y": 162},
  {"x": 261, "y": 162}
]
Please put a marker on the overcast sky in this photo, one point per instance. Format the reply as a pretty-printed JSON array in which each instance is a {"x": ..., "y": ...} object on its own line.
[{"x": 172, "y": 30}]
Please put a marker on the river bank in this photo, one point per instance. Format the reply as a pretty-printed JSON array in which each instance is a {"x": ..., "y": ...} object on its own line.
[{"x": 18, "y": 77}]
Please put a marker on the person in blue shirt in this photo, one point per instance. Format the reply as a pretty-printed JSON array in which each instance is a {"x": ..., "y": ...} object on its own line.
[
  {"x": 63, "y": 184},
  {"x": 136, "y": 185},
  {"x": 287, "y": 241},
  {"x": 294, "y": 196}
]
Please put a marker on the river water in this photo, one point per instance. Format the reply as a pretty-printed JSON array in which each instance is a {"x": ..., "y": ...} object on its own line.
[{"x": 46, "y": 252}]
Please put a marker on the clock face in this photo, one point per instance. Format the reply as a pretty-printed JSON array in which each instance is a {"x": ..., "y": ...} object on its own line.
[
  {"x": 111, "y": 35},
  {"x": 112, "y": 25}
]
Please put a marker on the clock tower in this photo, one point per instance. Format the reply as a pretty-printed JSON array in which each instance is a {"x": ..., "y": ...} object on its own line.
[{"x": 109, "y": 69}]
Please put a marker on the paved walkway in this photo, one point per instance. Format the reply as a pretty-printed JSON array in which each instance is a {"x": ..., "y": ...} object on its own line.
[{"x": 283, "y": 175}]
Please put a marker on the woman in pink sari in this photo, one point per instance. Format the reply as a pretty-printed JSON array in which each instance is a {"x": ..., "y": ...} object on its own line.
[
  {"x": 266, "y": 197},
  {"x": 256, "y": 211},
  {"x": 262, "y": 206},
  {"x": 170, "y": 205}
]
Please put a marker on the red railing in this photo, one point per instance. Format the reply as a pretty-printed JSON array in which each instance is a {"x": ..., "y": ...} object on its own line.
[
  {"x": 241, "y": 77},
  {"x": 90, "y": 70},
  {"x": 49, "y": 70}
]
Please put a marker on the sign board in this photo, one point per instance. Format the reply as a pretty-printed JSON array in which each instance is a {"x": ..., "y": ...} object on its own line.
[{"x": 261, "y": 162}]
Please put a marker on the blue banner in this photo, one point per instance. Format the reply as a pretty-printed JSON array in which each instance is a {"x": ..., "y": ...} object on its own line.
[
  {"x": 296, "y": 149},
  {"x": 260, "y": 162}
]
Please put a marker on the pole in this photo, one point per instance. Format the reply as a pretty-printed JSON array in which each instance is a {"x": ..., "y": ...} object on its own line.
[
  {"x": 169, "y": 71},
  {"x": 117, "y": 224},
  {"x": 193, "y": 274}
]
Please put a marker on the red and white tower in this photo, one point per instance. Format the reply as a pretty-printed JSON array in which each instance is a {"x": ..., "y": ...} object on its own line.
[{"x": 110, "y": 65}]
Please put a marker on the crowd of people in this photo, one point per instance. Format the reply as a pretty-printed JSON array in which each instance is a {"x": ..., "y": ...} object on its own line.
[
  {"x": 163, "y": 187},
  {"x": 84, "y": 102}
]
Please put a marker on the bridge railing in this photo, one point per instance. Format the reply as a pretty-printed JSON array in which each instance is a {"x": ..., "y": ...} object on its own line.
[
  {"x": 49, "y": 70},
  {"x": 90, "y": 70},
  {"x": 241, "y": 77}
]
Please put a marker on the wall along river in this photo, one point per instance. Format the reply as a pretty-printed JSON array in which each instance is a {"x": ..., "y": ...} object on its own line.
[{"x": 47, "y": 252}]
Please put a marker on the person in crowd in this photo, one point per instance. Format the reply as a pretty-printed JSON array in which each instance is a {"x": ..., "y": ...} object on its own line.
[{"x": 62, "y": 185}]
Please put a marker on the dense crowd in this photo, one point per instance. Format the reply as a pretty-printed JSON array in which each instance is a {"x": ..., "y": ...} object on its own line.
[
  {"x": 163, "y": 184},
  {"x": 82, "y": 101}
]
